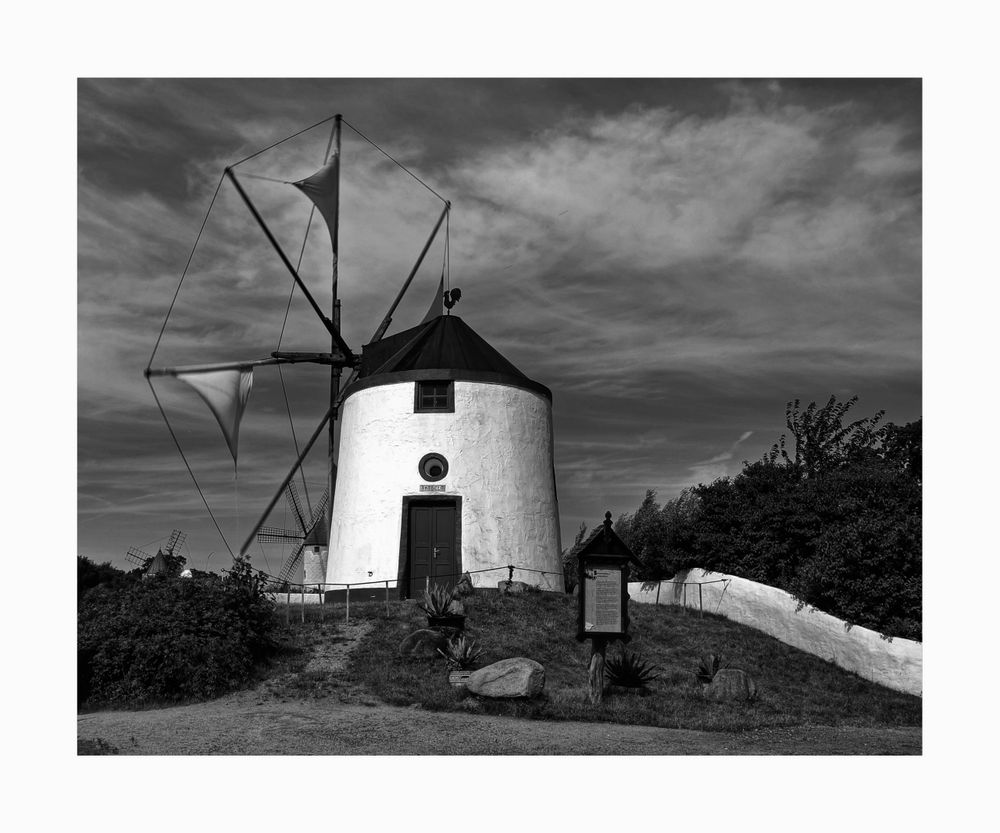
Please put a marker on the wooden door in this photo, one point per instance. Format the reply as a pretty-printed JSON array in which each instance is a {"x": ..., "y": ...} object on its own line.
[{"x": 432, "y": 552}]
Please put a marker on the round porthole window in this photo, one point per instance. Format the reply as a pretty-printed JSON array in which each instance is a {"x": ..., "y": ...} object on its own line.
[{"x": 433, "y": 467}]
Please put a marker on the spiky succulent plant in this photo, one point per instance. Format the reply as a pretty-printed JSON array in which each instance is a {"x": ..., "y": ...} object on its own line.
[
  {"x": 630, "y": 670},
  {"x": 461, "y": 653},
  {"x": 439, "y": 601}
]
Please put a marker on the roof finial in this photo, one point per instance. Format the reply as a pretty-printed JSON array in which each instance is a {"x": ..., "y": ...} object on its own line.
[{"x": 452, "y": 297}]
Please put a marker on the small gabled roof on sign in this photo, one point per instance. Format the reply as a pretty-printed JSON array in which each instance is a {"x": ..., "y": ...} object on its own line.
[{"x": 604, "y": 541}]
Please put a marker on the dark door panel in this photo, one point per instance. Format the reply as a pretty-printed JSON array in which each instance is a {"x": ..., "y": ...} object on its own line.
[{"x": 432, "y": 552}]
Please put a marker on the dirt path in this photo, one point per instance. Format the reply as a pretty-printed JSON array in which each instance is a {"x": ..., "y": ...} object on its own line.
[
  {"x": 239, "y": 726},
  {"x": 256, "y": 723}
]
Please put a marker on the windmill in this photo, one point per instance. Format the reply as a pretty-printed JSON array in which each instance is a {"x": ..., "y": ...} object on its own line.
[
  {"x": 225, "y": 387},
  {"x": 164, "y": 558},
  {"x": 312, "y": 533}
]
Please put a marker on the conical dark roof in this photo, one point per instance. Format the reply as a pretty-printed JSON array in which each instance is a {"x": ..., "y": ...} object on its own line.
[
  {"x": 319, "y": 535},
  {"x": 443, "y": 348}
]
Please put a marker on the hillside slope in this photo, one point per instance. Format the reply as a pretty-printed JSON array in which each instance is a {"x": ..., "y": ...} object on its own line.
[{"x": 795, "y": 688}]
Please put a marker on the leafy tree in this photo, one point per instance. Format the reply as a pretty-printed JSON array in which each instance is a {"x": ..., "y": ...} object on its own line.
[
  {"x": 678, "y": 542},
  {"x": 832, "y": 516},
  {"x": 822, "y": 441},
  {"x": 644, "y": 533},
  {"x": 569, "y": 559},
  {"x": 902, "y": 447},
  {"x": 90, "y": 575}
]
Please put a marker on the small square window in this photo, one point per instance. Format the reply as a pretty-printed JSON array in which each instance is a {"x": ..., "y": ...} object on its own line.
[{"x": 435, "y": 396}]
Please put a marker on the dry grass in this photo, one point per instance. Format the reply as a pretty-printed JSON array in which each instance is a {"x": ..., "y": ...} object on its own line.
[{"x": 795, "y": 688}]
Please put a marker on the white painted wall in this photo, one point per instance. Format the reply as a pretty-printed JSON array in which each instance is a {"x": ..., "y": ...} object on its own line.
[
  {"x": 314, "y": 562},
  {"x": 498, "y": 444},
  {"x": 897, "y": 664},
  {"x": 295, "y": 598}
]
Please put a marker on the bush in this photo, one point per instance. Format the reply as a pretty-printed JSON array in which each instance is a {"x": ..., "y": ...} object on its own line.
[
  {"x": 833, "y": 517},
  {"x": 90, "y": 575},
  {"x": 170, "y": 639}
]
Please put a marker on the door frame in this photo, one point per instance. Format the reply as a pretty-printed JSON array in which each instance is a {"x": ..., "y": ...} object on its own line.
[{"x": 403, "y": 572}]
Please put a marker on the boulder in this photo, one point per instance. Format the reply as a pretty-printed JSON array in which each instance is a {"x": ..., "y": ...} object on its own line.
[
  {"x": 731, "y": 684},
  {"x": 512, "y": 587},
  {"x": 514, "y": 677},
  {"x": 423, "y": 643}
]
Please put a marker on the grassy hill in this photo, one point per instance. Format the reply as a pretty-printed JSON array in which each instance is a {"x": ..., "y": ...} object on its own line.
[{"x": 794, "y": 688}]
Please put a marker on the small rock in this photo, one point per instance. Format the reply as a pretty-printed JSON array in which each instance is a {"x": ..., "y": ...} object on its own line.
[
  {"x": 423, "y": 643},
  {"x": 514, "y": 677},
  {"x": 731, "y": 684},
  {"x": 512, "y": 587},
  {"x": 465, "y": 587}
]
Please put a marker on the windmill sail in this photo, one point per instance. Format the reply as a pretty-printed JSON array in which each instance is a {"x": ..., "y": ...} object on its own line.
[
  {"x": 437, "y": 305},
  {"x": 226, "y": 392},
  {"x": 322, "y": 188},
  {"x": 225, "y": 388}
]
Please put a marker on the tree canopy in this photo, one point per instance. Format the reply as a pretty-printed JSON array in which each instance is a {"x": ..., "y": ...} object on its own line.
[{"x": 832, "y": 515}]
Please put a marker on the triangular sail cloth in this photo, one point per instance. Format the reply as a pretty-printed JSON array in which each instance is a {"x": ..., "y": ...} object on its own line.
[
  {"x": 226, "y": 392},
  {"x": 322, "y": 189},
  {"x": 437, "y": 305}
]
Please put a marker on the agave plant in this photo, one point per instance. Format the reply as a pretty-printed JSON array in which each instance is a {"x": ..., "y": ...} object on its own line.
[
  {"x": 461, "y": 653},
  {"x": 630, "y": 670},
  {"x": 710, "y": 663},
  {"x": 439, "y": 601}
]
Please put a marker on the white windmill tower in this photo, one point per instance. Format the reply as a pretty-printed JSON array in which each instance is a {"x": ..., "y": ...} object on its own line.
[
  {"x": 448, "y": 451},
  {"x": 445, "y": 462}
]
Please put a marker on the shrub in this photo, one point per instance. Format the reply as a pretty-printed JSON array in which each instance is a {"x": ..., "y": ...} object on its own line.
[
  {"x": 629, "y": 670},
  {"x": 169, "y": 639}
]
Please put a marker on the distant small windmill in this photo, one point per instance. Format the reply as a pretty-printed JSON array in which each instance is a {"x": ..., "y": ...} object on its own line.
[
  {"x": 312, "y": 534},
  {"x": 161, "y": 562}
]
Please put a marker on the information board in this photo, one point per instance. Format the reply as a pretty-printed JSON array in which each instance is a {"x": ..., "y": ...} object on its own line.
[{"x": 602, "y": 600}]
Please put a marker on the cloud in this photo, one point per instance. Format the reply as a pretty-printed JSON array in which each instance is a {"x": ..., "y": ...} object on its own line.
[
  {"x": 718, "y": 466},
  {"x": 674, "y": 273}
]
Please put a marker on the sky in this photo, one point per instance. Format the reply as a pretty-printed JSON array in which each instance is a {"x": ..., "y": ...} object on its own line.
[{"x": 674, "y": 259}]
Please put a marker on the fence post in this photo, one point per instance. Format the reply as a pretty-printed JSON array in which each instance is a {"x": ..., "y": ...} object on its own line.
[
  {"x": 347, "y": 598},
  {"x": 427, "y": 584},
  {"x": 303, "y": 603},
  {"x": 684, "y": 597},
  {"x": 387, "y": 597},
  {"x": 701, "y": 607},
  {"x": 319, "y": 589},
  {"x": 658, "y": 584}
]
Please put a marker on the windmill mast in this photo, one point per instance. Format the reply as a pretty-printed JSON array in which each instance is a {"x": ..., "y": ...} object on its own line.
[{"x": 335, "y": 369}]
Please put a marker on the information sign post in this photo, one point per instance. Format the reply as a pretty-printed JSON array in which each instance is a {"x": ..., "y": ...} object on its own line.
[{"x": 603, "y": 590}]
